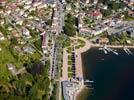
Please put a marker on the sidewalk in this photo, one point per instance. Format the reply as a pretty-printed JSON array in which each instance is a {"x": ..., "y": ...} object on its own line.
[{"x": 65, "y": 65}]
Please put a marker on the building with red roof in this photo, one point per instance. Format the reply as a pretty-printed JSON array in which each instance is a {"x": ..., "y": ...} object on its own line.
[
  {"x": 43, "y": 39},
  {"x": 2, "y": 2},
  {"x": 96, "y": 14}
]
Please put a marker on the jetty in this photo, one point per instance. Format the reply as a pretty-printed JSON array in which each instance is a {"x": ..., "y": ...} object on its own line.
[
  {"x": 127, "y": 50},
  {"x": 107, "y": 49}
]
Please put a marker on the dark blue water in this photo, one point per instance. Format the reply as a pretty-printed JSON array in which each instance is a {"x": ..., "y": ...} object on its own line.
[{"x": 113, "y": 75}]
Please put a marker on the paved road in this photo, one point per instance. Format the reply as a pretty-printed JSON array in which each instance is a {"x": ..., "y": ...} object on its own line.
[{"x": 60, "y": 16}]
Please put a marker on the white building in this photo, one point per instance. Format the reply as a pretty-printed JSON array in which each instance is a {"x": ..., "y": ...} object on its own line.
[
  {"x": 26, "y": 32},
  {"x": 1, "y": 36}
]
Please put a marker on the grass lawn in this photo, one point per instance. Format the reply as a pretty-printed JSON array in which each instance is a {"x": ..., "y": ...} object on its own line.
[
  {"x": 6, "y": 57},
  {"x": 69, "y": 62},
  {"x": 69, "y": 69},
  {"x": 70, "y": 75},
  {"x": 79, "y": 46},
  {"x": 129, "y": 18},
  {"x": 4, "y": 73},
  {"x": 81, "y": 41},
  {"x": 69, "y": 57},
  {"x": 4, "y": 31},
  {"x": 69, "y": 49}
]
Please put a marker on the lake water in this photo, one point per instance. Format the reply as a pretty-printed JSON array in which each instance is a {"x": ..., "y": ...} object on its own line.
[{"x": 113, "y": 75}]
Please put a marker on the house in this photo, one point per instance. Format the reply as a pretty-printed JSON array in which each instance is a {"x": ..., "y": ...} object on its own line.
[
  {"x": 85, "y": 30},
  {"x": 2, "y": 21},
  {"x": 85, "y": 1},
  {"x": 3, "y": 2},
  {"x": 15, "y": 34},
  {"x": 28, "y": 49},
  {"x": 8, "y": 11},
  {"x": 1, "y": 36},
  {"x": 95, "y": 1},
  {"x": 36, "y": 3},
  {"x": 26, "y": 32},
  {"x": 42, "y": 6},
  {"x": 44, "y": 42},
  {"x": 32, "y": 9},
  {"x": 130, "y": 1},
  {"x": 51, "y": 3},
  {"x": 10, "y": 28},
  {"x": 26, "y": 7},
  {"x": 1, "y": 11},
  {"x": 95, "y": 14},
  {"x": 43, "y": 39},
  {"x": 132, "y": 33},
  {"x": 68, "y": 7},
  {"x": 28, "y": 2},
  {"x": 12, "y": 69},
  {"x": 19, "y": 22},
  {"x": 21, "y": 12}
]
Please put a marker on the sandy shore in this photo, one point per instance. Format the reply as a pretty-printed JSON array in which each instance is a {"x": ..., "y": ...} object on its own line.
[
  {"x": 79, "y": 72},
  {"x": 79, "y": 91}
]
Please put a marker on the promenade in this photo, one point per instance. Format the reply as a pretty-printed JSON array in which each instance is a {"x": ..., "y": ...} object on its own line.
[
  {"x": 79, "y": 67},
  {"x": 79, "y": 72},
  {"x": 65, "y": 66}
]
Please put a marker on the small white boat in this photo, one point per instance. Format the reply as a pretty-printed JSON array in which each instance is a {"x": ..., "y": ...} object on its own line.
[
  {"x": 105, "y": 51},
  {"x": 88, "y": 81},
  {"x": 101, "y": 48},
  {"x": 109, "y": 49},
  {"x": 91, "y": 81},
  {"x": 115, "y": 53},
  {"x": 127, "y": 51},
  {"x": 130, "y": 52}
]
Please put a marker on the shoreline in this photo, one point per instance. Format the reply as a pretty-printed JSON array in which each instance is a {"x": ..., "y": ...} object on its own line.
[
  {"x": 79, "y": 68},
  {"x": 112, "y": 46},
  {"x": 88, "y": 46},
  {"x": 79, "y": 92}
]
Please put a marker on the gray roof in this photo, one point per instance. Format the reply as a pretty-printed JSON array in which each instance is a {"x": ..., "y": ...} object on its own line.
[{"x": 64, "y": 85}]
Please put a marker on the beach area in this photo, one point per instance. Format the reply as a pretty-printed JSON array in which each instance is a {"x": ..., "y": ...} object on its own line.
[
  {"x": 79, "y": 70},
  {"x": 79, "y": 64}
]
